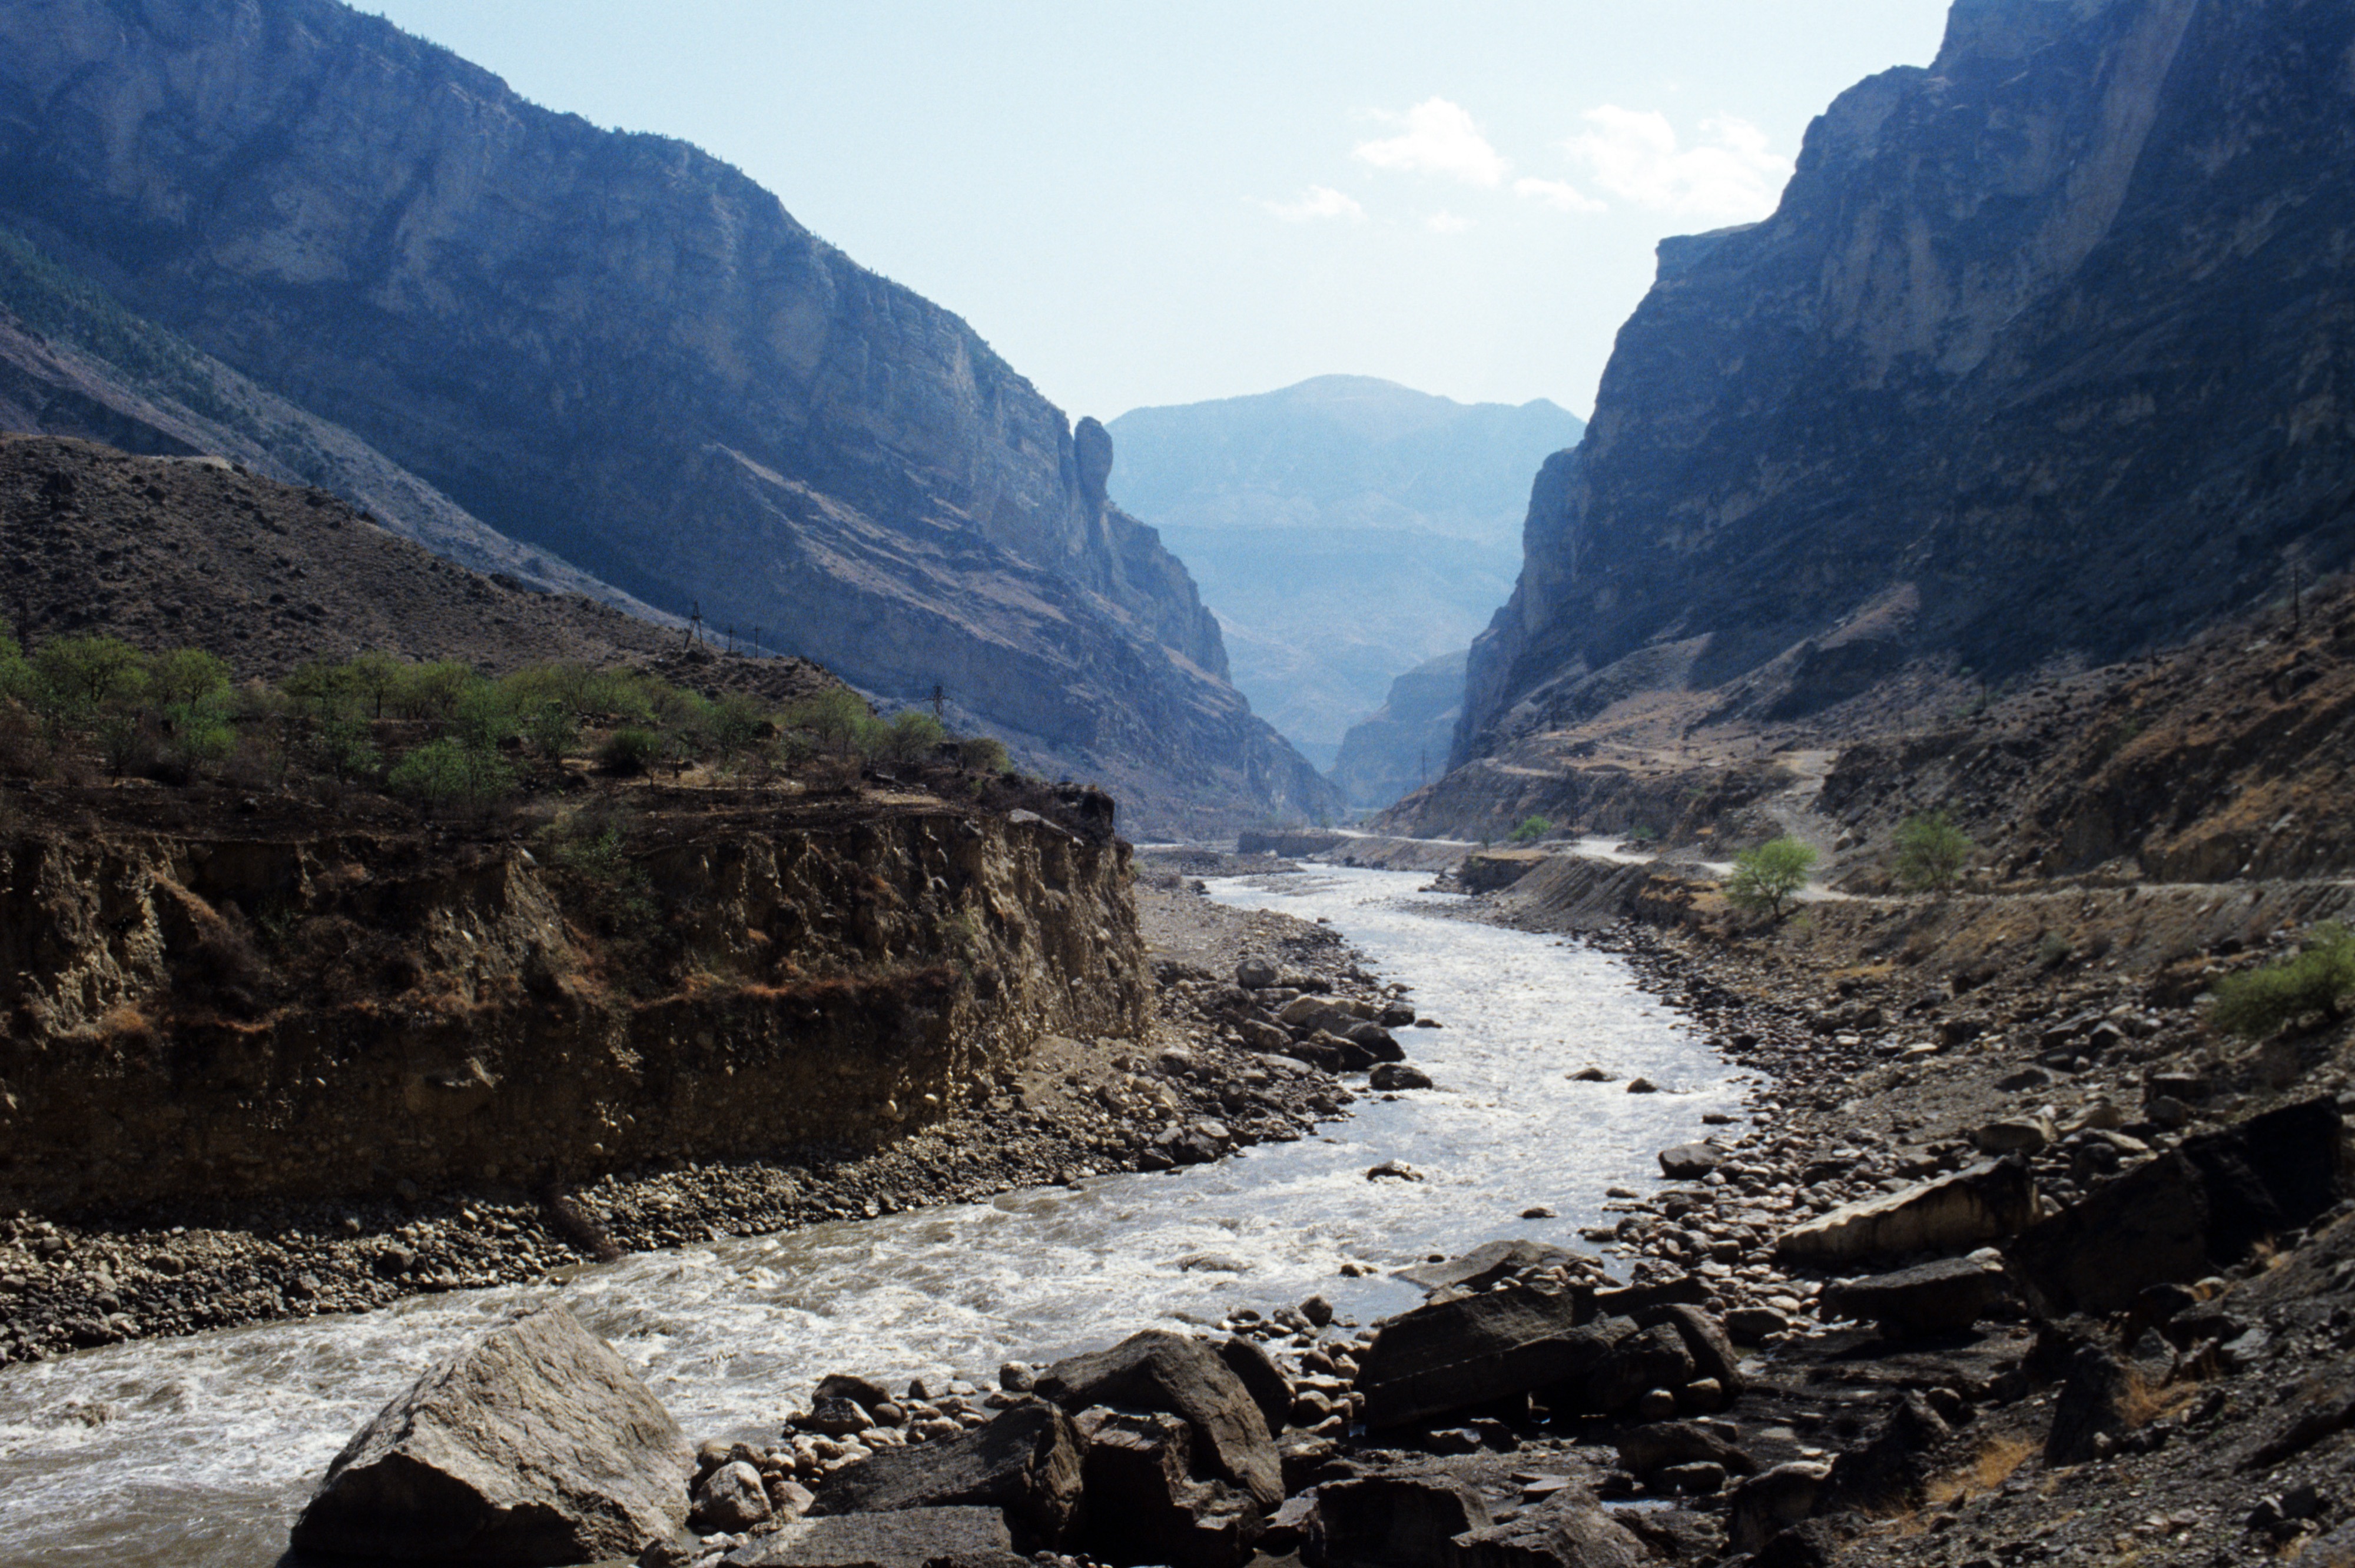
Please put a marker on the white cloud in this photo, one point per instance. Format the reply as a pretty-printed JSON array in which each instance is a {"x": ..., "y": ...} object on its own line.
[
  {"x": 1439, "y": 138},
  {"x": 1447, "y": 223},
  {"x": 1730, "y": 174},
  {"x": 1560, "y": 194},
  {"x": 1321, "y": 201}
]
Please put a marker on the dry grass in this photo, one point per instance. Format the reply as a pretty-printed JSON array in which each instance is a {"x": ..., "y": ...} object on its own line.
[{"x": 1989, "y": 1467}]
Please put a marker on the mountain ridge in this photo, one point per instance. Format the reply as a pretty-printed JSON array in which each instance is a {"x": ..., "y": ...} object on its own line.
[{"x": 616, "y": 348}]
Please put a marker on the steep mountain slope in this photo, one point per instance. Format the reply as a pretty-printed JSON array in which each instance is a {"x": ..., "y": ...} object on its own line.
[
  {"x": 74, "y": 362},
  {"x": 1401, "y": 745},
  {"x": 620, "y": 350},
  {"x": 1344, "y": 530},
  {"x": 2045, "y": 354}
]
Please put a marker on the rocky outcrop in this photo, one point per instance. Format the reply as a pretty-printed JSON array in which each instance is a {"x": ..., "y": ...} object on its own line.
[
  {"x": 324, "y": 1011},
  {"x": 2029, "y": 362},
  {"x": 620, "y": 350},
  {"x": 533, "y": 1444},
  {"x": 1343, "y": 528},
  {"x": 1403, "y": 744}
]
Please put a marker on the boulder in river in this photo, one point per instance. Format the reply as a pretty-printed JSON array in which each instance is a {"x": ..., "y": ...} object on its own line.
[
  {"x": 1026, "y": 1463},
  {"x": 1982, "y": 1203},
  {"x": 1392, "y": 1076},
  {"x": 1691, "y": 1161},
  {"x": 1154, "y": 1370},
  {"x": 1146, "y": 1503},
  {"x": 533, "y": 1444}
]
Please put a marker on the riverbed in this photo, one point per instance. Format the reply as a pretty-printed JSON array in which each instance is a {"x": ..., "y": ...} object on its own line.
[{"x": 196, "y": 1453}]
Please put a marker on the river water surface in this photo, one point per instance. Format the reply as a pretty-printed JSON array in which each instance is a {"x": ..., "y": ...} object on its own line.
[{"x": 197, "y": 1452}]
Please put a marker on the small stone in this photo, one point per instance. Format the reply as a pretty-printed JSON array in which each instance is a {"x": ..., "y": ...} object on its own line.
[
  {"x": 1642, "y": 1087},
  {"x": 1700, "y": 1479},
  {"x": 730, "y": 1498},
  {"x": 1590, "y": 1075},
  {"x": 1392, "y": 1076},
  {"x": 1538, "y": 1211},
  {"x": 1015, "y": 1377},
  {"x": 1654, "y": 1405},
  {"x": 1393, "y": 1169},
  {"x": 837, "y": 1417},
  {"x": 1317, "y": 1311}
]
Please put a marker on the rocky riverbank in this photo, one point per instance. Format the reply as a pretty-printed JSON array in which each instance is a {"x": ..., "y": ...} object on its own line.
[{"x": 1186, "y": 1090}]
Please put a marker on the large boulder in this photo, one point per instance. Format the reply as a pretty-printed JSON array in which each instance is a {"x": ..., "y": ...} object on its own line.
[
  {"x": 1155, "y": 1370},
  {"x": 1026, "y": 1463},
  {"x": 1970, "y": 1208},
  {"x": 1145, "y": 1503},
  {"x": 909, "y": 1537},
  {"x": 1712, "y": 1353},
  {"x": 1568, "y": 1530},
  {"x": 533, "y": 1444},
  {"x": 1943, "y": 1296},
  {"x": 1270, "y": 1389},
  {"x": 1634, "y": 1362},
  {"x": 1393, "y": 1521},
  {"x": 1446, "y": 1356}
]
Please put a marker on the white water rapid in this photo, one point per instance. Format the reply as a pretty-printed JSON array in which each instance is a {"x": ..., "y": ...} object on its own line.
[{"x": 196, "y": 1453}]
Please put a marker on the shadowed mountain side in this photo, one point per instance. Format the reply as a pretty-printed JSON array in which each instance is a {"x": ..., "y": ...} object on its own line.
[
  {"x": 1402, "y": 745},
  {"x": 554, "y": 325},
  {"x": 2044, "y": 355}
]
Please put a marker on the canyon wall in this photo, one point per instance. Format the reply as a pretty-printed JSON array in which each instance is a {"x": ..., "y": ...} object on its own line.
[
  {"x": 2045, "y": 354},
  {"x": 328, "y": 1010}
]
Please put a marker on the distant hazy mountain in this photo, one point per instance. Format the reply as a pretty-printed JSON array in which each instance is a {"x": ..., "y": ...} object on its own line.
[
  {"x": 1402, "y": 745},
  {"x": 1344, "y": 530}
]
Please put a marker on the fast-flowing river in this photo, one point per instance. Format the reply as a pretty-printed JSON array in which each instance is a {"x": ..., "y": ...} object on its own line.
[{"x": 199, "y": 1451}]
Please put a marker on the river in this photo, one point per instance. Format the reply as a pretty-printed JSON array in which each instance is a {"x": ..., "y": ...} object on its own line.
[{"x": 196, "y": 1452}]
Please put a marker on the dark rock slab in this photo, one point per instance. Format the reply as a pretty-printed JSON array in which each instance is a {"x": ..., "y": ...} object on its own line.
[
  {"x": 908, "y": 1537},
  {"x": 2097, "y": 1400},
  {"x": 1145, "y": 1503},
  {"x": 1712, "y": 1353},
  {"x": 1568, "y": 1530},
  {"x": 534, "y": 1444},
  {"x": 1970, "y": 1208},
  {"x": 1645, "y": 1450},
  {"x": 1159, "y": 1371},
  {"x": 1890, "y": 1469},
  {"x": 1487, "y": 1264},
  {"x": 1393, "y": 1521},
  {"x": 1941, "y": 1298},
  {"x": 1025, "y": 1464},
  {"x": 1446, "y": 1356}
]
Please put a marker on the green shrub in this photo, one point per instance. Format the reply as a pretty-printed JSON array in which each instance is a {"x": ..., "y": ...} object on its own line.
[
  {"x": 1766, "y": 878},
  {"x": 1931, "y": 852},
  {"x": 197, "y": 732},
  {"x": 629, "y": 751},
  {"x": 738, "y": 721},
  {"x": 431, "y": 691},
  {"x": 483, "y": 716},
  {"x": 1531, "y": 830},
  {"x": 2254, "y": 1005},
  {"x": 552, "y": 730},
  {"x": 375, "y": 678},
  {"x": 984, "y": 753},
  {"x": 445, "y": 773},
  {"x": 344, "y": 746}
]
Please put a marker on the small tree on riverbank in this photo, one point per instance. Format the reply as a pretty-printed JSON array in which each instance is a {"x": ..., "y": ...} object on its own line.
[{"x": 1765, "y": 879}]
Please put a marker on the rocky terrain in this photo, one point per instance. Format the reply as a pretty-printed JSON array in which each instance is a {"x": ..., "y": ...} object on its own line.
[
  {"x": 1342, "y": 529},
  {"x": 2030, "y": 365},
  {"x": 686, "y": 394}
]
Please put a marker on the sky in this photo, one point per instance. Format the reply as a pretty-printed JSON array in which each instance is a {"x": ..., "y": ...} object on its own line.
[{"x": 1137, "y": 202}]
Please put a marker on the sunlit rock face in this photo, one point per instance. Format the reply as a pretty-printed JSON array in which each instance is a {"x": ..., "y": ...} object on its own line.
[
  {"x": 2046, "y": 350},
  {"x": 623, "y": 350}
]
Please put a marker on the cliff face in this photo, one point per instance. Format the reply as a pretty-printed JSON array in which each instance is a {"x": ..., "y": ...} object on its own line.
[
  {"x": 621, "y": 350},
  {"x": 1399, "y": 745},
  {"x": 2046, "y": 351},
  {"x": 301, "y": 1009}
]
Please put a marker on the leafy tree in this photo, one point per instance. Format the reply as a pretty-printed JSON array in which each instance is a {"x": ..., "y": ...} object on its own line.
[
  {"x": 737, "y": 720},
  {"x": 835, "y": 716},
  {"x": 198, "y": 731},
  {"x": 553, "y": 730},
  {"x": 323, "y": 689},
  {"x": 1531, "y": 830},
  {"x": 185, "y": 676},
  {"x": 1931, "y": 852},
  {"x": 911, "y": 737},
  {"x": 2255, "y": 1004},
  {"x": 483, "y": 716},
  {"x": 87, "y": 674},
  {"x": 984, "y": 753},
  {"x": 376, "y": 676},
  {"x": 1766, "y": 878},
  {"x": 431, "y": 691}
]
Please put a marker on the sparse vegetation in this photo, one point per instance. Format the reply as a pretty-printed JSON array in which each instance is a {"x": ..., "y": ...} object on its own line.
[
  {"x": 2322, "y": 973},
  {"x": 1931, "y": 852},
  {"x": 1531, "y": 830},
  {"x": 1765, "y": 879}
]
